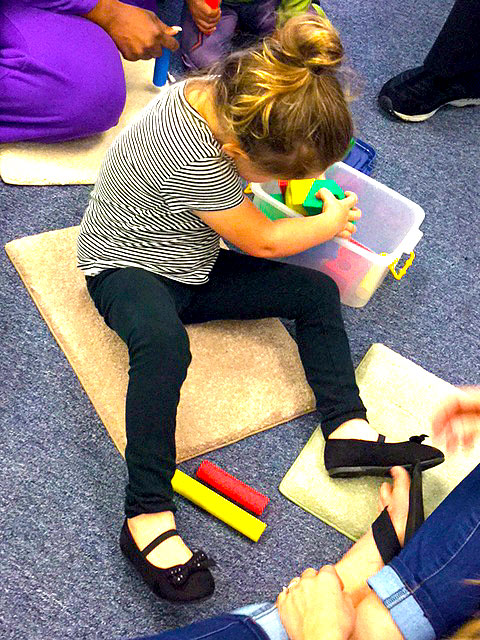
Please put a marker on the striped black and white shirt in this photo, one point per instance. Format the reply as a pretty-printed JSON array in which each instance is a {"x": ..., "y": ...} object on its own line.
[{"x": 163, "y": 166}]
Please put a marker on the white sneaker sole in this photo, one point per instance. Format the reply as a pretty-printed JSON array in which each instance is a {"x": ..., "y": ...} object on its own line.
[{"x": 467, "y": 102}]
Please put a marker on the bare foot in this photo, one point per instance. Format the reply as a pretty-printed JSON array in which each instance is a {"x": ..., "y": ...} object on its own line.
[
  {"x": 397, "y": 500},
  {"x": 356, "y": 429},
  {"x": 363, "y": 559},
  {"x": 147, "y": 526}
]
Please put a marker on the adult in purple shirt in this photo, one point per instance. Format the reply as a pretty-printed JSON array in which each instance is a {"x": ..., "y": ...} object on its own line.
[{"x": 61, "y": 74}]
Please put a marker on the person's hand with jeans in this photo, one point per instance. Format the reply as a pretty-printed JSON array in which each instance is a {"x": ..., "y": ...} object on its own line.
[{"x": 331, "y": 618}]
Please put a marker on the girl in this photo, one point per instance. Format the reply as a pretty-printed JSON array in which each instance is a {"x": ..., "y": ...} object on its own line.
[{"x": 168, "y": 189}]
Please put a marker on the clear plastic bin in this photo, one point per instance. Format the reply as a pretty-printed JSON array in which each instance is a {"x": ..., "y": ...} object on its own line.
[{"x": 388, "y": 228}]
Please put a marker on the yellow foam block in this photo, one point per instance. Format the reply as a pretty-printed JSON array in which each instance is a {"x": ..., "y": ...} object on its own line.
[
  {"x": 218, "y": 506},
  {"x": 370, "y": 281},
  {"x": 295, "y": 194}
]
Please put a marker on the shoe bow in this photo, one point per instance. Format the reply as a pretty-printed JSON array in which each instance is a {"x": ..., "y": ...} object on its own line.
[
  {"x": 179, "y": 574},
  {"x": 418, "y": 439}
]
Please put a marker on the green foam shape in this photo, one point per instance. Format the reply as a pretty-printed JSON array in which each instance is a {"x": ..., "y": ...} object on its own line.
[
  {"x": 269, "y": 210},
  {"x": 312, "y": 204}
]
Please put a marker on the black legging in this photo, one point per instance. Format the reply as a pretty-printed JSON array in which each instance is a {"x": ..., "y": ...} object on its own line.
[
  {"x": 149, "y": 313},
  {"x": 457, "y": 48}
]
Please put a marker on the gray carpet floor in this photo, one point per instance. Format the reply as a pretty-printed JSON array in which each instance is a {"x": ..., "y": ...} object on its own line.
[{"x": 61, "y": 478}]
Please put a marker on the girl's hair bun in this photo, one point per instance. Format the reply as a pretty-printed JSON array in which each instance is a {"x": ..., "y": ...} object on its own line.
[
  {"x": 309, "y": 41},
  {"x": 282, "y": 100}
]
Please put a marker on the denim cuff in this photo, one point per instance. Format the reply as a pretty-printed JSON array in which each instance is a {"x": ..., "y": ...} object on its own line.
[{"x": 402, "y": 606}]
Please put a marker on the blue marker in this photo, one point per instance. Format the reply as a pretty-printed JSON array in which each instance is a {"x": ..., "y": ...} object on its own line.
[{"x": 160, "y": 72}]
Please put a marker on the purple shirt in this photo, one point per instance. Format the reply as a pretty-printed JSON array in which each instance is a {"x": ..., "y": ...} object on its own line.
[{"x": 76, "y": 7}]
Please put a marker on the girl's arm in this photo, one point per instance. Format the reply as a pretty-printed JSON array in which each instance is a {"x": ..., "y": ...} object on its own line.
[{"x": 251, "y": 231}]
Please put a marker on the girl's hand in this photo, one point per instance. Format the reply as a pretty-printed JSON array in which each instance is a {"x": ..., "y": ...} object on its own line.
[
  {"x": 457, "y": 421},
  {"x": 204, "y": 16},
  {"x": 315, "y": 606},
  {"x": 138, "y": 33},
  {"x": 340, "y": 213}
]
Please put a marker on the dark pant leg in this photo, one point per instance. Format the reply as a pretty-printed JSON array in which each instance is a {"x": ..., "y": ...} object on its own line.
[
  {"x": 200, "y": 51},
  {"x": 244, "y": 287},
  {"x": 258, "y": 18},
  {"x": 457, "y": 47},
  {"x": 142, "y": 309}
]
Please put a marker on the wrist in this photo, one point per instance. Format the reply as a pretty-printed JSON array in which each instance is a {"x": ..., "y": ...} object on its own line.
[
  {"x": 104, "y": 13},
  {"x": 314, "y": 632}
]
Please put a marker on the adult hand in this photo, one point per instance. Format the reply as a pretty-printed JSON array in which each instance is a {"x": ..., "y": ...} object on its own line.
[
  {"x": 204, "y": 16},
  {"x": 315, "y": 606},
  {"x": 457, "y": 420},
  {"x": 138, "y": 33},
  {"x": 340, "y": 213}
]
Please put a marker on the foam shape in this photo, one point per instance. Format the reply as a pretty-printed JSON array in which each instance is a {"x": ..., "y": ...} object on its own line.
[
  {"x": 295, "y": 194},
  {"x": 160, "y": 71},
  {"x": 162, "y": 64},
  {"x": 218, "y": 506},
  {"x": 232, "y": 487},
  {"x": 283, "y": 184},
  {"x": 312, "y": 204},
  {"x": 269, "y": 210},
  {"x": 370, "y": 281}
]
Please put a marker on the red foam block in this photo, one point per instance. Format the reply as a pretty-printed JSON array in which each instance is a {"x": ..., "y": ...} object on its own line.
[{"x": 231, "y": 487}]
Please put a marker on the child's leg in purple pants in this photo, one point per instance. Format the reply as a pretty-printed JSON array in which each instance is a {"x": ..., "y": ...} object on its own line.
[
  {"x": 61, "y": 75},
  {"x": 200, "y": 51}
]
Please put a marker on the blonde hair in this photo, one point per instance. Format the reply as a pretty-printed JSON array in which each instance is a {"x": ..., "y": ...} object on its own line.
[
  {"x": 283, "y": 101},
  {"x": 469, "y": 631}
]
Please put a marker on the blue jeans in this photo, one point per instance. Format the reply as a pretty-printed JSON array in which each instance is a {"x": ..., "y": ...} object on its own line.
[
  {"x": 229, "y": 626},
  {"x": 425, "y": 587}
]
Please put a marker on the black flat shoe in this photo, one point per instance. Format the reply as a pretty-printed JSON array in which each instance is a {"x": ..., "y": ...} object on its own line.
[
  {"x": 353, "y": 458},
  {"x": 181, "y": 583},
  {"x": 383, "y": 530}
]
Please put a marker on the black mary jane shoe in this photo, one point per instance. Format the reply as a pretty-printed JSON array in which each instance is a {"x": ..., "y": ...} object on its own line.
[
  {"x": 181, "y": 583},
  {"x": 354, "y": 458},
  {"x": 383, "y": 530}
]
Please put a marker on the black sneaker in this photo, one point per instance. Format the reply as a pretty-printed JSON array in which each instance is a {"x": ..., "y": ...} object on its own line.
[{"x": 415, "y": 95}]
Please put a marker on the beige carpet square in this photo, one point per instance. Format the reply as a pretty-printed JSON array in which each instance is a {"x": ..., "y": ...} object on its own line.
[
  {"x": 245, "y": 376},
  {"x": 76, "y": 161},
  {"x": 401, "y": 398}
]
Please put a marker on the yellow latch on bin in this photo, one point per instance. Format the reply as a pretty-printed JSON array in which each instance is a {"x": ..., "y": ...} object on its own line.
[{"x": 399, "y": 275}]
